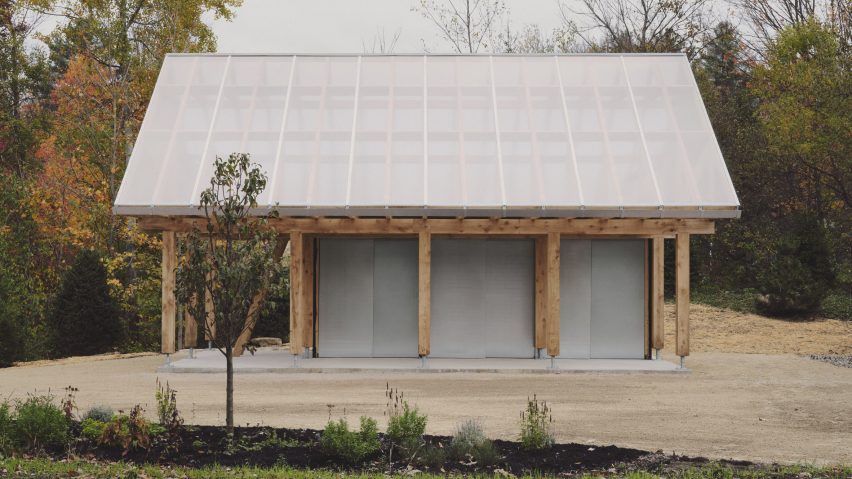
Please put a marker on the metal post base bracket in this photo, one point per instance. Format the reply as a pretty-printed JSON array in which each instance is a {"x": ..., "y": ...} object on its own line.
[
  {"x": 657, "y": 355},
  {"x": 553, "y": 363},
  {"x": 423, "y": 364},
  {"x": 295, "y": 361},
  {"x": 681, "y": 362}
]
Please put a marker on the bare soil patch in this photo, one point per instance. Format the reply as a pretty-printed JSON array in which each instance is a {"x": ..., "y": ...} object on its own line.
[{"x": 722, "y": 330}]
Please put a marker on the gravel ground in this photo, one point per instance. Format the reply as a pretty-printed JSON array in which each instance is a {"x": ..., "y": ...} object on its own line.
[
  {"x": 844, "y": 361},
  {"x": 759, "y": 407},
  {"x": 772, "y": 405}
]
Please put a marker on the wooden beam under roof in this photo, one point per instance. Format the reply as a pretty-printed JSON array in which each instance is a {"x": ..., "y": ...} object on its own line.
[{"x": 442, "y": 226}]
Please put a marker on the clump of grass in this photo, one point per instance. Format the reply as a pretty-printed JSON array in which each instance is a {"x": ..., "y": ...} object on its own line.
[
  {"x": 536, "y": 421},
  {"x": 471, "y": 445},
  {"x": 99, "y": 413}
]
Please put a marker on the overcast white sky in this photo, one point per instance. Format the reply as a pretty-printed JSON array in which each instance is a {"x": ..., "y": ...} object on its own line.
[{"x": 344, "y": 26}]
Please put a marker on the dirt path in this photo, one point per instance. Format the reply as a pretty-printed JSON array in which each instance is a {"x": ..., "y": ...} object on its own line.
[{"x": 762, "y": 407}]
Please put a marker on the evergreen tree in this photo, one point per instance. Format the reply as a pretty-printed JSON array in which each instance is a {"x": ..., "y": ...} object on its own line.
[{"x": 85, "y": 318}]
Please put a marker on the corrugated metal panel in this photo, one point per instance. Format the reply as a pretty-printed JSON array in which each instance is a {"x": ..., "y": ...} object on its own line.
[
  {"x": 395, "y": 298},
  {"x": 482, "y": 298},
  {"x": 618, "y": 321},
  {"x": 509, "y": 298},
  {"x": 458, "y": 302},
  {"x": 575, "y": 311},
  {"x": 345, "y": 312}
]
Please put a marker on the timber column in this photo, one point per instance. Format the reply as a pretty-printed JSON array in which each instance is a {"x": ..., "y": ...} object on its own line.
[
  {"x": 424, "y": 292},
  {"x": 540, "y": 294},
  {"x": 682, "y": 292},
  {"x": 297, "y": 293},
  {"x": 552, "y": 319},
  {"x": 658, "y": 328},
  {"x": 169, "y": 304}
]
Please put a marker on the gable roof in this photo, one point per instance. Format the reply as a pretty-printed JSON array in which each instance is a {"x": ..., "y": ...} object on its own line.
[{"x": 605, "y": 135}]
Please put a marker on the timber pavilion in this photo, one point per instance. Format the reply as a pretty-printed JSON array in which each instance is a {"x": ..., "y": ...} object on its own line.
[{"x": 446, "y": 206}]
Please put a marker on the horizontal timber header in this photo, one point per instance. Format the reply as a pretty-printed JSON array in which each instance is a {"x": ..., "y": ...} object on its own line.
[{"x": 497, "y": 226}]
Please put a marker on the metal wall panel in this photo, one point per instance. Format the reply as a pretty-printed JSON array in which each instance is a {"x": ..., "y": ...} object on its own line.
[
  {"x": 395, "y": 298},
  {"x": 575, "y": 285},
  {"x": 458, "y": 302},
  {"x": 509, "y": 298},
  {"x": 345, "y": 310},
  {"x": 618, "y": 320},
  {"x": 482, "y": 298}
]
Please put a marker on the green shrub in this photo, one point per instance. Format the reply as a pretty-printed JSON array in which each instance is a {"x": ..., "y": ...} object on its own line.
[
  {"x": 469, "y": 443},
  {"x": 7, "y": 429},
  {"x": 405, "y": 430},
  {"x": 99, "y": 413},
  {"x": 128, "y": 432},
  {"x": 796, "y": 274},
  {"x": 40, "y": 424},
  {"x": 85, "y": 318},
  {"x": 535, "y": 425},
  {"x": 17, "y": 308},
  {"x": 351, "y": 446},
  {"x": 837, "y": 305},
  {"x": 92, "y": 429}
]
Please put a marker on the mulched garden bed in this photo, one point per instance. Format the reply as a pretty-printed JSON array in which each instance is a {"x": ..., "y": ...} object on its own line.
[{"x": 299, "y": 448}]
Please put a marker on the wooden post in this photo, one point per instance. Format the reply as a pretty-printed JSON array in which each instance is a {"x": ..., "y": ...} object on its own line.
[
  {"x": 308, "y": 284},
  {"x": 658, "y": 318},
  {"x": 210, "y": 329},
  {"x": 297, "y": 292},
  {"x": 553, "y": 252},
  {"x": 424, "y": 295},
  {"x": 682, "y": 288},
  {"x": 541, "y": 292},
  {"x": 169, "y": 310},
  {"x": 646, "y": 294},
  {"x": 190, "y": 329}
]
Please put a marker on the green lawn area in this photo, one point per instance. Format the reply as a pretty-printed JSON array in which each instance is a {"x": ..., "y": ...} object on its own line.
[{"x": 42, "y": 468}]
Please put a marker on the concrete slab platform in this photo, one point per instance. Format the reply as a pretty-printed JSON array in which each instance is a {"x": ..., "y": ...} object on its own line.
[{"x": 279, "y": 360}]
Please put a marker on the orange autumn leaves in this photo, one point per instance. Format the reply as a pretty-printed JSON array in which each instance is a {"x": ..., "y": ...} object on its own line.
[{"x": 83, "y": 157}]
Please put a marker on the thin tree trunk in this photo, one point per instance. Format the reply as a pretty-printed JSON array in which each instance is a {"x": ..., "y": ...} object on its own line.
[{"x": 229, "y": 390}]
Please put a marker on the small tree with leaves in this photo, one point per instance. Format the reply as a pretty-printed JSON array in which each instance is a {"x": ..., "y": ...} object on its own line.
[{"x": 231, "y": 262}]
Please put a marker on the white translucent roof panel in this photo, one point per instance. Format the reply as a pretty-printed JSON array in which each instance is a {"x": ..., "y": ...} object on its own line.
[{"x": 434, "y": 135}]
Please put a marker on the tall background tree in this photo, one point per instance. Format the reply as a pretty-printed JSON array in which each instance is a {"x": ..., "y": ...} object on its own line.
[{"x": 71, "y": 102}]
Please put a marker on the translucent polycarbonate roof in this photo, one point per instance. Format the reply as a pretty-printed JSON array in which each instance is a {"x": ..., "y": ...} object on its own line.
[{"x": 435, "y": 135}]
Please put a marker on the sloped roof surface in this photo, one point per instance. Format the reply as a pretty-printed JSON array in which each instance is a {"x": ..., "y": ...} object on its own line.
[{"x": 435, "y": 135}]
